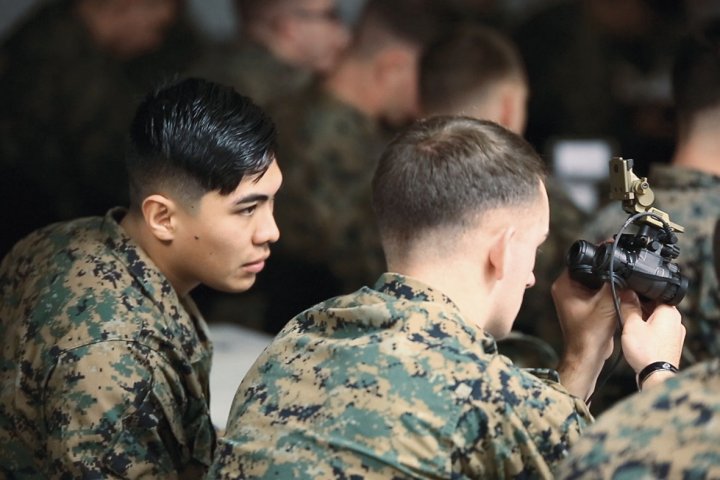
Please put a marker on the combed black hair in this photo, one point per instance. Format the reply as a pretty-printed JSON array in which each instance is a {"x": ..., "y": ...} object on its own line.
[{"x": 193, "y": 136}]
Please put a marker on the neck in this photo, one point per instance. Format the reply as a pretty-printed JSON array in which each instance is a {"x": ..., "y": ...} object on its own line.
[
  {"x": 351, "y": 83},
  {"x": 700, "y": 151},
  {"x": 461, "y": 286}
]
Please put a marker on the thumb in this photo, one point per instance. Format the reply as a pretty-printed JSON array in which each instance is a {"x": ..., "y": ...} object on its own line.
[{"x": 630, "y": 306}]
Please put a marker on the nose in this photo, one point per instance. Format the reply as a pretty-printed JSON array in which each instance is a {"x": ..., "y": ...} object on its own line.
[
  {"x": 531, "y": 280},
  {"x": 267, "y": 231}
]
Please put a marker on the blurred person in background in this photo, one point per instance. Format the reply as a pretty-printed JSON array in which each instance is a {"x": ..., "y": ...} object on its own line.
[
  {"x": 330, "y": 135},
  {"x": 282, "y": 45},
  {"x": 69, "y": 83},
  {"x": 688, "y": 190},
  {"x": 601, "y": 68}
]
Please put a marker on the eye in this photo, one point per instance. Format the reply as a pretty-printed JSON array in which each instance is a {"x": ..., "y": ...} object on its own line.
[{"x": 249, "y": 210}]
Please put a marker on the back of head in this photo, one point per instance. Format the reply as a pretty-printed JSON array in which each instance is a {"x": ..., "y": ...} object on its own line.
[
  {"x": 191, "y": 137},
  {"x": 412, "y": 22},
  {"x": 696, "y": 75},
  {"x": 463, "y": 63},
  {"x": 446, "y": 172}
]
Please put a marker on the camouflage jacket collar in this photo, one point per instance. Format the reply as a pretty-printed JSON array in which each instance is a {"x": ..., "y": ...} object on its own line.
[
  {"x": 138, "y": 263},
  {"x": 412, "y": 289},
  {"x": 678, "y": 178},
  {"x": 360, "y": 121},
  {"x": 265, "y": 61}
]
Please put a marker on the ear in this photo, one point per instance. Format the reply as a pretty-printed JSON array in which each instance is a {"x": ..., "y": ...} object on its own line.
[
  {"x": 499, "y": 253},
  {"x": 507, "y": 110},
  {"x": 512, "y": 109},
  {"x": 160, "y": 214}
]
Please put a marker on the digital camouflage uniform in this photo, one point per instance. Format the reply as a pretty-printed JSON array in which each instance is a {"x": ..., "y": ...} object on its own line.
[
  {"x": 329, "y": 242},
  {"x": 668, "y": 431},
  {"x": 328, "y": 151},
  {"x": 104, "y": 370},
  {"x": 254, "y": 71},
  {"x": 691, "y": 199},
  {"x": 392, "y": 382}
]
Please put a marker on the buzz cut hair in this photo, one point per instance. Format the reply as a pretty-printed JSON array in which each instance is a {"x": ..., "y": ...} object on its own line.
[
  {"x": 470, "y": 60},
  {"x": 446, "y": 172}
]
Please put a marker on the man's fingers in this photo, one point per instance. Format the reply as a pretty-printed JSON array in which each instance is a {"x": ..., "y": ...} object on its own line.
[
  {"x": 630, "y": 306},
  {"x": 666, "y": 314}
]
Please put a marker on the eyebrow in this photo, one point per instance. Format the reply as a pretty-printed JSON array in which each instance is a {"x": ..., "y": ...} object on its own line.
[{"x": 253, "y": 197}]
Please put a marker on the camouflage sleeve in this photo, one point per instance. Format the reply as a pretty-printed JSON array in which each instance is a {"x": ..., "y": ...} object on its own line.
[
  {"x": 534, "y": 424},
  {"x": 114, "y": 410}
]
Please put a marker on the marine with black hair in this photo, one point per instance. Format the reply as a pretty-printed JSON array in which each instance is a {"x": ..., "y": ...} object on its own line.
[{"x": 104, "y": 357}]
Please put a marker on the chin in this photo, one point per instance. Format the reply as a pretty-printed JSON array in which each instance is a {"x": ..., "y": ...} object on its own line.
[{"x": 238, "y": 285}]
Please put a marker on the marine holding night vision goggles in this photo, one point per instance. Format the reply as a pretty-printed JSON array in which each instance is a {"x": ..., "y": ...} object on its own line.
[{"x": 639, "y": 261}]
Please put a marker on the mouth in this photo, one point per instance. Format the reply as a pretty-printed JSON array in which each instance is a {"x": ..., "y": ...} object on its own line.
[{"x": 256, "y": 266}]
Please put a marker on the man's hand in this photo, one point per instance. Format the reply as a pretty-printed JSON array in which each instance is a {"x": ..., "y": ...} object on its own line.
[
  {"x": 658, "y": 339},
  {"x": 587, "y": 319}
]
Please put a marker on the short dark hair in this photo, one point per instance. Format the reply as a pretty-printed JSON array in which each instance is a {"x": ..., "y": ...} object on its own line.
[
  {"x": 416, "y": 22},
  {"x": 445, "y": 171},
  {"x": 696, "y": 72},
  {"x": 254, "y": 10},
  {"x": 466, "y": 60},
  {"x": 193, "y": 136}
]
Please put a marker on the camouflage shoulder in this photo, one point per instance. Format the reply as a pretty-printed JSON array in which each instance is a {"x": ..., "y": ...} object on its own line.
[{"x": 663, "y": 432}]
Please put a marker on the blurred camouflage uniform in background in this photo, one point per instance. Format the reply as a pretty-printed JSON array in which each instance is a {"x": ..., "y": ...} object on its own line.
[
  {"x": 253, "y": 71},
  {"x": 66, "y": 105},
  {"x": 281, "y": 46},
  {"x": 104, "y": 371},
  {"x": 328, "y": 151},
  {"x": 392, "y": 382},
  {"x": 62, "y": 133},
  {"x": 692, "y": 199},
  {"x": 669, "y": 431},
  {"x": 329, "y": 243}
]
